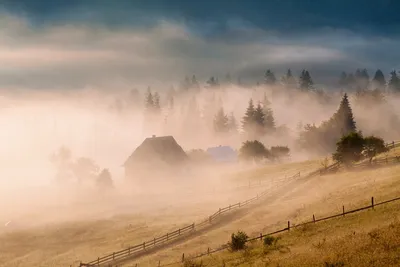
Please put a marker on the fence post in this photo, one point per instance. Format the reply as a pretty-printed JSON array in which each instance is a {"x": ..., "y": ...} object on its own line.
[
  {"x": 372, "y": 202},
  {"x": 179, "y": 231},
  {"x": 167, "y": 234},
  {"x": 136, "y": 265},
  {"x": 343, "y": 210},
  {"x": 98, "y": 260},
  {"x": 288, "y": 225},
  {"x": 313, "y": 218},
  {"x": 208, "y": 251},
  {"x": 129, "y": 250},
  {"x": 154, "y": 242},
  {"x": 261, "y": 236},
  {"x": 144, "y": 245},
  {"x": 159, "y": 263},
  {"x": 183, "y": 257},
  {"x": 193, "y": 226},
  {"x": 113, "y": 255},
  {"x": 229, "y": 207}
]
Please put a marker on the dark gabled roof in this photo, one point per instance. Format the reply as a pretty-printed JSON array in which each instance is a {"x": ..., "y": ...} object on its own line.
[{"x": 163, "y": 148}]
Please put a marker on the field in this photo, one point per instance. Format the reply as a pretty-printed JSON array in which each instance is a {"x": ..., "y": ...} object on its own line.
[
  {"x": 84, "y": 239},
  {"x": 84, "y": 230}
]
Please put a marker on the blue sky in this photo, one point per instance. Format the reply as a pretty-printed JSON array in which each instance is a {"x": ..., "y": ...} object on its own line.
[{"x": 74, "y": 43}]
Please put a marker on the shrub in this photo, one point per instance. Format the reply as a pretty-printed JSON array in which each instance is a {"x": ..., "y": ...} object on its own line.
[
  {"x": 269, "y": 240},
  {"x": 373, "y": 146},
  {"x": 280, "y": 152},
  {"x": 254, "y": 150},
  {"x": 192, "y": 263},
  {"x": 238, "y": 241},
  {"x": 349, "y": 148}
]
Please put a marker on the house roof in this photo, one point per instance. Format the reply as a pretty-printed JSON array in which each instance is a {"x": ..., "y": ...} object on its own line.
[
  {"x": 222, "y": 153},
  {"x": 163, "y": 148}
]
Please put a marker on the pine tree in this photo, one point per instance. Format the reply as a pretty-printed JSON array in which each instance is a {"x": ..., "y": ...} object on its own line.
[
  {"x": 288, "y": 80},
  {"x": 361, "y": 79},
  {"x": 149, "y": 102},
  {"x": 379, "y": 79},
  {"x": 305, "y": 81},
  {"x": 394, "y": 82},
  {"x": 213, "y": 82},
  {"x": 156, "y": 100},
  {"x": 269, "y": 121},
  {"x": 221, "y": 122},
  {"x": 232, "y": 124},
  {"x": 343, "y": 118},
  {"x": 269, "y": 78},
  {"x": 259, "y": 120},
  {"x": 248, "y": 119},
  {"x": 194, "y": 82}
]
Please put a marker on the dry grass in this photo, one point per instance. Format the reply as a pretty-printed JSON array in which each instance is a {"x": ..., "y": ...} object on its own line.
[
  {"x": 321, "y": 196},
  {"x": 369, "y": 238},
  {"x": 65, "y": 244}
]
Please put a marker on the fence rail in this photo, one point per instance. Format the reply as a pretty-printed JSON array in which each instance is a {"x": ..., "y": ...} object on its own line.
[
  {"x": 285, "y": 229},
  {"x": 130, "y": 252},
  {"x": 133, "y": 251}
]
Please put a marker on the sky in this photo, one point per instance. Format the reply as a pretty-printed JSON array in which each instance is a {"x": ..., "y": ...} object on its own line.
[{"x": 54, "y": 44}]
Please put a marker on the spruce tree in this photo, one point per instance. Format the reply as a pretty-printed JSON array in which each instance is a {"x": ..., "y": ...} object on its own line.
[
  {"x": 379, "y": 79},
  {"x": 288, "y": 80},
  {"x": 248, "y": 119},
  {"x": 232, "y": 124},
  {"x": 259, "y": 120},
  {"x": 194, "y": 82},
  {"x": 343, "y": 118},
  {"x": 306, "y": 83},
  {"x": 221, "y": 122},
  {"x": 269, "y": 121},
  {"x": 269, "y": 78},
  {"x": 394, "y": 82},
  {"x": 149, "y": 101},
  {"x": 156, "y": 102}
]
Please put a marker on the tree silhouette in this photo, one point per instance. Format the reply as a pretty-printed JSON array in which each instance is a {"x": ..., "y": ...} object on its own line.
[
  {"x": 394, "y": 82},
  {"x": 269, "y": 78},
  {"x": 305, "y": 81},
  {"x": 221, "y": 122},
  {"x": 379, "y": 79}
]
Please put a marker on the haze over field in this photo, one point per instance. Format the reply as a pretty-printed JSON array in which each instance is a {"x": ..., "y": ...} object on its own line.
[{"x": 97, "y": 79}]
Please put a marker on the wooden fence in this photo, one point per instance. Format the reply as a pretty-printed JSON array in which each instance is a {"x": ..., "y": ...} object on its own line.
[
  {"x": 140, "y": 249},
  {"x": 285, "y": 229}
]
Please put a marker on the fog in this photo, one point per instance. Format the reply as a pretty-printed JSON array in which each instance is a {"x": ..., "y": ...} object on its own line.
[
  {"x": 89, "y": 123},
  {"x": 71, "y": 86}
]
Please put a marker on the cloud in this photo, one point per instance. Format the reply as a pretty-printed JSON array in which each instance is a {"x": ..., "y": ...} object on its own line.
[{"x": 65, "y": 56}]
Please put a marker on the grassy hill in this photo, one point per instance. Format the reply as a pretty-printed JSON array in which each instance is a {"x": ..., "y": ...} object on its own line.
[
  {"x": 321, "y": 195},
  {"x": 368, "y": 238}
]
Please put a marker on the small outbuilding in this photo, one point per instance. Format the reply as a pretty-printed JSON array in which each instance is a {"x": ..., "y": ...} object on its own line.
[
  {"x": 155, "y": 154},
  {"x": 222, "y": 154}
]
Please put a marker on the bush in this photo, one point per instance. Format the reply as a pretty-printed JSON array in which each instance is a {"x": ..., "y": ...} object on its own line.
[
  {"x": 269, "y": 240},
  {"x": 280, "y": 152},
  {"x": 349, "y": 148},
  {"x": 254, "y": 150},
  {"x": 238, "y": 241},
  {"x": 372, "y": 146},
  {"x": 192, "y": 263}
]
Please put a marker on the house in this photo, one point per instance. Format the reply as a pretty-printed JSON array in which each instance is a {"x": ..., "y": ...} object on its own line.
[
  {"x": 155, "y": 156},
  {"x": 222, "y": 154}
]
